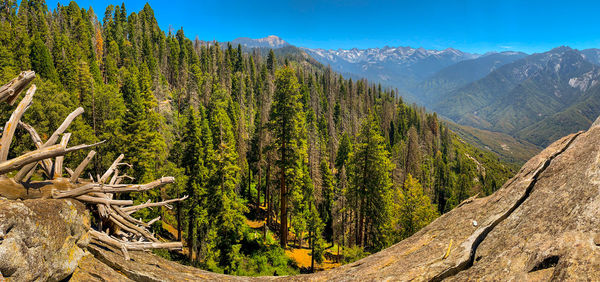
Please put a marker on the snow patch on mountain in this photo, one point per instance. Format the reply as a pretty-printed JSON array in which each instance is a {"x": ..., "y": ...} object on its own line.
[{"x": 271, "y": 41}]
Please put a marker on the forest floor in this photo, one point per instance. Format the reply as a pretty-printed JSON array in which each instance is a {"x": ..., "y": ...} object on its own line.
[{"x": 301, "y": 255}]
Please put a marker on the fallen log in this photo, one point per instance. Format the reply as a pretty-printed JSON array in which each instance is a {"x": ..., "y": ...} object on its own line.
[
  {"x": 133, "y": 209},
  {"x": 115, "y": 188}
]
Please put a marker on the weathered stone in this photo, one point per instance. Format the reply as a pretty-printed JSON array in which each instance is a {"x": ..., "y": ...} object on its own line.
[
  {"x": 41, "y": 239},
  {"x": 91, "y": 269},
  {"x": 597, "y": 239},
  {"x": 145, "y": 266}
]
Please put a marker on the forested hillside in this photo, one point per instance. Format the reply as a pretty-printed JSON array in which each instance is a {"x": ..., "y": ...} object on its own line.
[{"x": 319, "y": 159}]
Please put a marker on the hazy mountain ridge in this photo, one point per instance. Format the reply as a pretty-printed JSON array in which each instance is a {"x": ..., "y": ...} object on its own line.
[
  {"x": 401, "y": 67},
  {"x": 523, "y": 93}
]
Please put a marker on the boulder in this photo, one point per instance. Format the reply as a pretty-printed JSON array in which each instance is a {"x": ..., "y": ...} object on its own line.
[{"x": 41, "y": 239}]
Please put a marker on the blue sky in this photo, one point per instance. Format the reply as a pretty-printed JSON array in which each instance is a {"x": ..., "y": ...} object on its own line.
[{"x": 473, "y": 26}]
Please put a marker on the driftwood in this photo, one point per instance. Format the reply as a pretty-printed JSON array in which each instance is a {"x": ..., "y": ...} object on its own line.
[
  {"x": 11, "y": 124},
  {"x": 58, "y": 164},
  {"x": 112, "y": 214},
  {"x": 25, "y": 171},
  {"x": 10, "y": 91},
  {"x": 82, "y": 166},
  {"x": 35, "y": 137}
]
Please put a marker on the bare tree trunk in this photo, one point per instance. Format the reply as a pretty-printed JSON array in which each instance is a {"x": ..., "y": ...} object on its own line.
[
  {"x": 58, "y": 164},
  {"x": 81, "y": 166},
  {"x": 11, "y": 124},
  {"x": 283, "y": 198}
]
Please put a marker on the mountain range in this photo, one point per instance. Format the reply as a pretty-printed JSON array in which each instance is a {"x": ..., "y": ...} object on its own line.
[
  {"x": 525, "y": 98},
  {"x": 532, "y": 97},
  {"x": 400, "y": 67}
]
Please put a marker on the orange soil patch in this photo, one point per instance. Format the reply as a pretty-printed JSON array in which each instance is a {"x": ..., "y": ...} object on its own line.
[
  {"x": 303, "y": 259},
  {"x": 255, "y": 223},
  {"x": 169, "y": 229}
]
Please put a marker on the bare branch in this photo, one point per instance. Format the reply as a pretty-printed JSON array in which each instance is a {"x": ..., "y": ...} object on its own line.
[
  {"x": 35, "y": 137},
  {"x": 98, "y": 200},
  {"x": 11, "y": 124},
  {"x": 81, "y": 166},
  {"x": 133, "y": 209},
  {"x": 134, "y": 246},
  {"x": 153, "y": 221},
  {"x": 53, "y": 138},
  {"x": 111, "y": 169},
  {"x": 116, "y": 188},
  {"x": 10, "y": 91},
  {"x": 58, "y": 164},
  {"x": 114, "y": 178}
]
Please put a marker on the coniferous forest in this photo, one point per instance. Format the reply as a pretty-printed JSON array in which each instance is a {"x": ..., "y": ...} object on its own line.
[{"x": 274, "y": 151}]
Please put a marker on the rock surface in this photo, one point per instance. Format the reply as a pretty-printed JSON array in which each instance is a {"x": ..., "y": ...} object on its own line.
[
  {"x": 543, "y": 224},
  {"x": 41, "y": 239}
]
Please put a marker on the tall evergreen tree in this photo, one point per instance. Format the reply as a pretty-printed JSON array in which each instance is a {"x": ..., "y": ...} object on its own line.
[
  {"x": 370, "y": 185},
  {"x": 286, "y": 124}
]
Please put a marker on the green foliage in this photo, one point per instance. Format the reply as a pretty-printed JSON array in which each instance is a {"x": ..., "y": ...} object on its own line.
[
  {"x": 414, "y": 209},
  {"x": 352, "y": 254},
  {"x": 370, "y": 185}
]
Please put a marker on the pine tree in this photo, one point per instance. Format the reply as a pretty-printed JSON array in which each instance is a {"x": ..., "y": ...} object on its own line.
[
  {"x": 224, "y": 208},
  {"x": 41, "y": 61},
  {"x": 326, "y": 204},
  {"x": 343, "y": 152},
  {"x": 193, "y": 161},
  {"x": 370, "y": 185},
  {"x": 415, "y": 209},
  {"x": 271, "y": 62},
  {"x": 286, "y": 124}
]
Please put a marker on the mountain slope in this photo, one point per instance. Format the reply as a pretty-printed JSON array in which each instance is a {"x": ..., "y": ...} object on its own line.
[
  {"x": 592, "y": 55},
  {"x": 524, "y": 93},
  {"x": 508, "y": 148},
  {"x": 457, "y": 75}
]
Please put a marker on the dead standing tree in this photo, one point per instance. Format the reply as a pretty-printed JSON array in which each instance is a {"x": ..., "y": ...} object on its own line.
[{"x": 116, "y": 227}]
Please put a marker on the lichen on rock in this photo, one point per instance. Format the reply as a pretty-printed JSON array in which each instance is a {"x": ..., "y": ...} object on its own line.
[{"x": 41, "y": 239}]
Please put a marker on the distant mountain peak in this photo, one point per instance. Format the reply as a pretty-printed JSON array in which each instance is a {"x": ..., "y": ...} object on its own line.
[
  {"x": 560, "y": 49},
  {"x": 271, "y": 41}
]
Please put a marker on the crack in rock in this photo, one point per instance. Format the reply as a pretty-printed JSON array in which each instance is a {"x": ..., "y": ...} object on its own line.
[{"x": 478, "y": 237}]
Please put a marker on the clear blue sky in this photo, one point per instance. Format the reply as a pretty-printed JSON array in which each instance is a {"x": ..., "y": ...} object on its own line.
[{"x": 473, "y": 26}]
